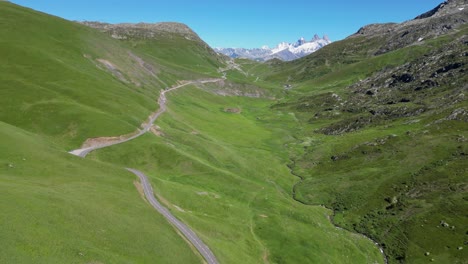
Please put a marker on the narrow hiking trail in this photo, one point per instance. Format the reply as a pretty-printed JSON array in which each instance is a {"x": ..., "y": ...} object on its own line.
[{"x": 202, "y": 248}]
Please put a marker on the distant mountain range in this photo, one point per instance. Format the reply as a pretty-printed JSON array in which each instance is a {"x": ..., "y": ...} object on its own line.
[{"x": 284, "y": 51}]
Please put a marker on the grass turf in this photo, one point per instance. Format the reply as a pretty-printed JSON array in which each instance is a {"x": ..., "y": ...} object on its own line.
[
  {"x": 58, "y": 208},
  {"x": 224, "y": 173}
]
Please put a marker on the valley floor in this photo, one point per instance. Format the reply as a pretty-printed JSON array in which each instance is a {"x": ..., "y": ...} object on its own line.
[{"x": 208, "y": 163}]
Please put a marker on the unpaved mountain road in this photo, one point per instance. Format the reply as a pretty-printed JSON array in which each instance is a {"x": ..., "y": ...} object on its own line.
[
  {"x": 82, "y": 152},
  {"x": 184, "y": 229},
  {"x": 188, "y": 233}
]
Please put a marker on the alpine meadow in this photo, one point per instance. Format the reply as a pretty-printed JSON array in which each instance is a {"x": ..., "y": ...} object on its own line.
[{"x": 139, "y": 143}]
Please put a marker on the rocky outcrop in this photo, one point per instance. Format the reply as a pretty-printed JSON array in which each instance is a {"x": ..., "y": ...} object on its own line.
[
  {"x": 431, "y": 12},
  {"x": 434, "y": 82},
  {"x": 448, "y": 7},
  {"x": 143, "y": 30},
  {"x": 445, "y": 17}
]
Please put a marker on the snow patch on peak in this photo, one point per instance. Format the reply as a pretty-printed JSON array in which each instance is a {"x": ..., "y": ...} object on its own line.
[
  {"x": 284, "y": 50},
  {"x": 302, "y": 47},
  {"x": 281, "y": 46}
]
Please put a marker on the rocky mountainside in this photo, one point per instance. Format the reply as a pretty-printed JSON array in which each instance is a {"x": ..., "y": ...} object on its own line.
[
  {"x": 386, "y": 126},
  {"x": 284, "y": 51},
  {"x": 143, "y": 30},
  {"x": 374, "y": 40},
  {"x": 168, "y": 41},
  {"x": 436, "y": 22}
]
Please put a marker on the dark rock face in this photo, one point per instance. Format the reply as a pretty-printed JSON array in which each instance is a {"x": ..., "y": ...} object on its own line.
[
  {"x": 373, "y": 29},
  {"x": 434, "y": 79},
  {"x": 431, "y": 12},
  {"x": 449, "y": 67},
  {"x": 426, "y": 84},
  {"x": 445, "y": 17},
  {"x": 405, "y": 78},
  {"x": 432, "y": 82}
]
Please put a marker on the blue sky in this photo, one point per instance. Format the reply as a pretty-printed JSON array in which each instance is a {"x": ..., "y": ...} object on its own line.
[{"x": 244, "y": 23}]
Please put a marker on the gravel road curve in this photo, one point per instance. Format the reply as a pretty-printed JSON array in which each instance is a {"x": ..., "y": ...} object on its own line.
[
  {"x": 184, "y": 229},
  {"x": 188, "y": 233},
  {"x": 82, "y": 152}
]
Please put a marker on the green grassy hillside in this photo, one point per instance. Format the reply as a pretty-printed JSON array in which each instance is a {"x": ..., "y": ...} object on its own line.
[
  {"x": 220, "y": 165},
  {"x": 373, "y": 128},
  {"x": 171, "y": 44},
  {"x": 57, "y": 208},
  {"x": 382, "y": 143},
  {"x": 71, "y": 82},
  {"x": 48, "y": 86},
  {"x": 61, "y": 83}
]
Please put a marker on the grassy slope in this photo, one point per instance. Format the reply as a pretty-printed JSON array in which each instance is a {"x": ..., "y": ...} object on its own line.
[
  {"x": 75, "y": 211},
  {"x": 49, "y": 87},
  {"x": 394, "y": 185},
  {"x": 395, "y": 179},
  {"x": 326, "y": 60},
  {"x": 234, "y": 161},
  {"x": 53, "y": 84},
  {"x": 227, "y": 172},
  {"x": 180, "y": 53},
  {"x": 53, "y": 91}
]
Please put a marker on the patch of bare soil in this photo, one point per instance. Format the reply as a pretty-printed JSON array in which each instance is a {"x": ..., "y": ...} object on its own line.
[
  {"x": 91, "y": 142},
  {"x": 265, "y": 257},
  {"x": 157, "y": 131},
  {"x": 179, "y": 209},
  {"x": 113, "y": 69},
  {"x": 144, "y": 65},
  {"x": 163, "y": 201},
  {"x": 182, "y": 82}
]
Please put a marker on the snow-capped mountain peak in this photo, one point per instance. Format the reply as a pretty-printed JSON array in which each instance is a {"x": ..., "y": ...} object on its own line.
[
  {"x": 284, "y": 50},
  {"x": 300, "y": 42},
  {"x": 281, "y": 46}
]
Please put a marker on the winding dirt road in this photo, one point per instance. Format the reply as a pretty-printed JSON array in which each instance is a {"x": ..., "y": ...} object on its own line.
[
  {"x": 82, "y": 152},
  {"x": 188, "y": 233},
  {"x": 148, "y": 190}
]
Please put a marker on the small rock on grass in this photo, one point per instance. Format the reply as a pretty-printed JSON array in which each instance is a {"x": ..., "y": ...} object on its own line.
[{"x": 444, "y": 224}]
